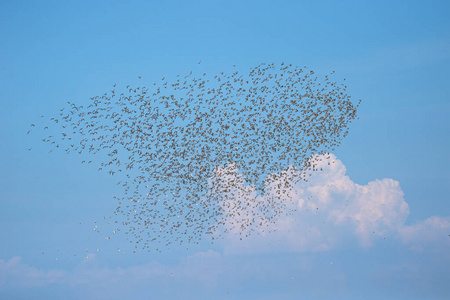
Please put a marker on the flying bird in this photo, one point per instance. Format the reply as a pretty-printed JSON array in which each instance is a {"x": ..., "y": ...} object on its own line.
[{"x": 194, "y": 155}]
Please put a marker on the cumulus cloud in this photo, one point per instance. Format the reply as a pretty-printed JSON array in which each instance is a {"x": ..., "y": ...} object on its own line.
[{"x": 330, "y": 209}]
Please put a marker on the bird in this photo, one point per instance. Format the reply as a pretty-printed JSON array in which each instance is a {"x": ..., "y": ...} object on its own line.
[{"x": 196, "y": 154}]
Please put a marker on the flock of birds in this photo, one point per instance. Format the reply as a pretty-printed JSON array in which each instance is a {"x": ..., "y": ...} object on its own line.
[{"x": 207, "y": 155}]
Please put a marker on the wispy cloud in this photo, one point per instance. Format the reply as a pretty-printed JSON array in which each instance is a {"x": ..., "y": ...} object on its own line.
[{"x": 14, "y": 273}]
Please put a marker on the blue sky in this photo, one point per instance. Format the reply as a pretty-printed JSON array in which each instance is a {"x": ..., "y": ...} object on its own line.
[{"x": 394, "y": 56}]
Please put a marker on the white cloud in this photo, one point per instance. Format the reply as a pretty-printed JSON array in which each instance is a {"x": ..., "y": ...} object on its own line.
[
  {"x": 202, "y": 268},
  {"x": 330, "y": 209},
  {"x": 432, "y": 233},
  {"x": 377, "y": 208},
  {"x": 332, "y": 212},
  {"x": 14, "y": 273}
]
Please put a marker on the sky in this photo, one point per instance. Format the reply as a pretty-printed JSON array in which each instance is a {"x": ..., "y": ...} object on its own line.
[{"x": 383, "y": 227}]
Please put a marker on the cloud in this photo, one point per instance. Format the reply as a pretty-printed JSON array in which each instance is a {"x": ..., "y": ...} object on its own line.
[
  {"x": 14, "y": 273},
  {"x": 202, "y": 275},
  {"x": 330, "y": 210},
  {"x": 430, "y": 234},
  {"x": 377, "y": 208}
]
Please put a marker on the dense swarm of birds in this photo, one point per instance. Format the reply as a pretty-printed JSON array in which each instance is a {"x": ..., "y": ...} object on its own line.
[{"x": 203, "y": 155}]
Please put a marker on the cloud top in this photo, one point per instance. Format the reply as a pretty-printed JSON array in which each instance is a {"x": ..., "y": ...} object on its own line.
[{"x": 327, "y": 210}]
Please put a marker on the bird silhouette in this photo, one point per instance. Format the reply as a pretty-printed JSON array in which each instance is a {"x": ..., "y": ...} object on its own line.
[{"x": 203, "y": 156}]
